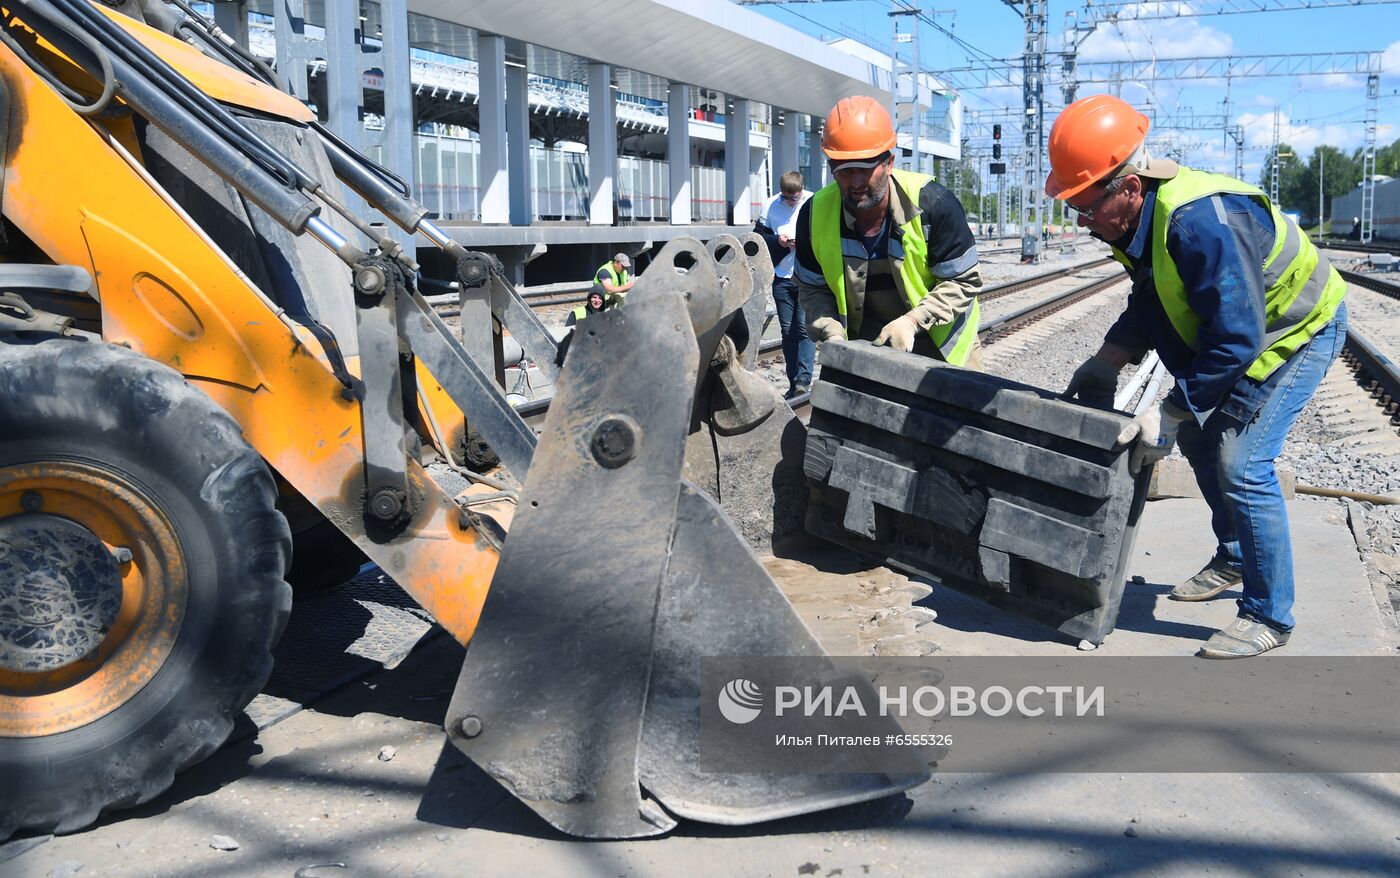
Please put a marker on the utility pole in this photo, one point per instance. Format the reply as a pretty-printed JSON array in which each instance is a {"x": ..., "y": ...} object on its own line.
[
  {"x": 1238, "y": 132},
  {"x": 906, "y": 69},
  {"x": 1033, "y": 95},
  {"x": 1224, "y": 135},
  {"x": 1001, "y": 206},
  {"x": 1273, "y": 167},
  {"x": 1321, "y": 158},
  {"x": 1368, "y": 159}
]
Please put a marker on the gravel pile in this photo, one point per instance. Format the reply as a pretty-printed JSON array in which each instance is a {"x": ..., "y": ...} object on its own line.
[{"x": 1311, "y": 452}]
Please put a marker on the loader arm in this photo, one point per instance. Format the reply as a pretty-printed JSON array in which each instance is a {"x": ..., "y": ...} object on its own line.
[
  {"x": 220, "y": 246},
  {"x": 167, "y": 290}
]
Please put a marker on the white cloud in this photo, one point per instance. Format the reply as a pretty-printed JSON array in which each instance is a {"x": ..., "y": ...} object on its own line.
[
  {"x": 1338, "y": 80},
  {"x": 1390, "y": 58},
  {"x": 1259, "y": 134},
  {"x": 1265, "y": 101},
  {"x": 1158, "y": 38}
]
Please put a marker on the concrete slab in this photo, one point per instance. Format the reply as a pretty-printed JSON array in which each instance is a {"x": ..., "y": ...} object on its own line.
[{"x": 1336, "y": 610}]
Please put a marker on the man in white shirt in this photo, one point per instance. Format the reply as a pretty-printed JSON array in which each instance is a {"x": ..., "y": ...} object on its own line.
[{"x": 777, "y": 224}]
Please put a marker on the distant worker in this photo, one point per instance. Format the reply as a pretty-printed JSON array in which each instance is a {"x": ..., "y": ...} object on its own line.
[
  {"x": 1247, "y": 316},
  {"x": 614, "y": 279},
  {"x": 886, "y": 255},
  {"x": 595, "y": 303},
  {"x": 777, "y": 223}
]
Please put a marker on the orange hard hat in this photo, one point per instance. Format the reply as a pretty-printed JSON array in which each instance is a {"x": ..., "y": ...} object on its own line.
[
  {"x": 1091, "y": 139},
  {"x": 857, "y": 128}
]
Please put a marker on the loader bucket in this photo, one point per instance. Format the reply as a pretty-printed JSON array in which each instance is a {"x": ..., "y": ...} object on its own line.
[{"x": 580, "y": 692}]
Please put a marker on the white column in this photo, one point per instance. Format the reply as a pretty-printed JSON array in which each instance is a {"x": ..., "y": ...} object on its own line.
[
  {"x": 292, "y": 49},
  {"x": 344, "y": 93},
  {"x": 602, "y": 144},
  {"x": 678, "y": 151},
  {"x": 816, "y": 159},
  {"x": 518, "y": 131},
  {"x": 736, "y": 163},
  {"x": 395, "y": 62},
  {"x": 494, "y": 184},
  {"x": 231, "y": 16},
  {"x": 784, "y": 145}
]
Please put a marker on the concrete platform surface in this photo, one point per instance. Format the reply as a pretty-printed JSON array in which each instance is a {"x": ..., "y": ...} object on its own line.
[
  {"x": 1336, "y": 610},
  {"x": 316, "y": 788}
]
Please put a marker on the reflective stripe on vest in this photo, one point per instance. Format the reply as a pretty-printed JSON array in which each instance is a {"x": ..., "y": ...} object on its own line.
[
  {"x": 912, "y": 275},
  {"x": 1301, "y": 289},
  {"x": 616, "y": 278}
]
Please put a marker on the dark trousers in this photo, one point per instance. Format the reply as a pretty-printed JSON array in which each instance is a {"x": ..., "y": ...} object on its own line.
[{"x": 798, "y": 350}]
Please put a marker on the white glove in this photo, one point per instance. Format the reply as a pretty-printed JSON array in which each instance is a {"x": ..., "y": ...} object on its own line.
[
  {"x": 1155, "y": 431},
  {"x": 826, "y": 329},
  {"x": 899, "y": 332},
  {"x": 1094, "y": 382}
]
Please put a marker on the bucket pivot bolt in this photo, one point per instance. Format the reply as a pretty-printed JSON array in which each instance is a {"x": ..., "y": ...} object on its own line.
[
  {"x": 370, "y": 280},
  {"x": 387, "y": 503},
  {"x": 615, "y": 441}
]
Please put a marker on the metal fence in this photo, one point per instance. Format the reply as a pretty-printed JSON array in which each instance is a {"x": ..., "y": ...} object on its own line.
[{"x": 448, "y": 184}]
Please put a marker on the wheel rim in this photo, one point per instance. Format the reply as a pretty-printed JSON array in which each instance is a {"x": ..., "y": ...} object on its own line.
[{"x": 133, "y": 613}]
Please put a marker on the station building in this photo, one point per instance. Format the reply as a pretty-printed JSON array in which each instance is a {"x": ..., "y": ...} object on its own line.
[{"x": 553, "y": 134}]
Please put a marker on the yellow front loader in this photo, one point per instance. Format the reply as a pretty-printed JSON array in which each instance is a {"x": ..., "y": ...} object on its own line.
[{"x": 208, "y": 364}]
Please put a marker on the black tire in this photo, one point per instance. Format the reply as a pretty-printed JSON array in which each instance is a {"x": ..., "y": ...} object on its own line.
[{"x": 67, "y": 403}]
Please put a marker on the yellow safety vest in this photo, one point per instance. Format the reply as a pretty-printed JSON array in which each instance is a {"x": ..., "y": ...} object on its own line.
[
  {"x": 618, "y": 278},
  {"x": 954, "y": 340},
  {"x": 1301, "y": 289}
]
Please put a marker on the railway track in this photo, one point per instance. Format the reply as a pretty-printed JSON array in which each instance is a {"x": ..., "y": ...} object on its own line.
[
  {"x": 992, "y": 293},
  {"x": 533, "y": 412},
  {"x": 1357, "y": 247},
  {"x": 442, "y": 295},
  {"x": 1000, "y": 327},
  {"x": 1368, "y": 350}
]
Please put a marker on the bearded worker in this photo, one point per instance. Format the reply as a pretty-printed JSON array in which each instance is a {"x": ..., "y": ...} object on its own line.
[{"x": 882, "y": 254}]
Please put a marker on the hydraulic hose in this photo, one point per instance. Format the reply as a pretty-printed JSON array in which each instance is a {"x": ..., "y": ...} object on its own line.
[
  {"x": 373, "y": 188},
  {"x": 142, "y": 62}
]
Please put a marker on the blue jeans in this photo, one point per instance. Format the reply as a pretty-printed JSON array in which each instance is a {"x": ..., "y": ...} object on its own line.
[
  {"x": 1234, "y": 466},
  {"x": 798, "y": 351}
]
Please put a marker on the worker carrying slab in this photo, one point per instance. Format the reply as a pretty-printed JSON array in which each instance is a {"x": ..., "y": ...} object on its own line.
[
  {"x": 886, "y": 255},
  {"x": 1246, "y": 314},
  {"x": 614, "y": 279}
]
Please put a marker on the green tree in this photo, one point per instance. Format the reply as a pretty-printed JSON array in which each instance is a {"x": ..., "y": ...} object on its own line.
[
  {"x": 1292, "y": 188},
  {"x": 1387, "y": 161},
  {"x": 1340, "y": 174}
]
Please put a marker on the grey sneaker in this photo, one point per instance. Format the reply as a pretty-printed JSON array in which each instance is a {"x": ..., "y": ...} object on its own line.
[
  {"x": 1214, "y": 578},
  {"x": 1242, "y": 638}
]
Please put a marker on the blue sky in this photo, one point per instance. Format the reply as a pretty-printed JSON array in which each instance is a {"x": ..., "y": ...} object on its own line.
[{"x": 1313, "y": 110}]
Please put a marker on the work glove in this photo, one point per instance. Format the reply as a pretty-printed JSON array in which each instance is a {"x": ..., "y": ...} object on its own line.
[
  {"x": 1155, "y": 431},
  {"x": 899, "y": 333},
  {"x": 827, "y": 329},
  {"x": 1094, "y": 383}
]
